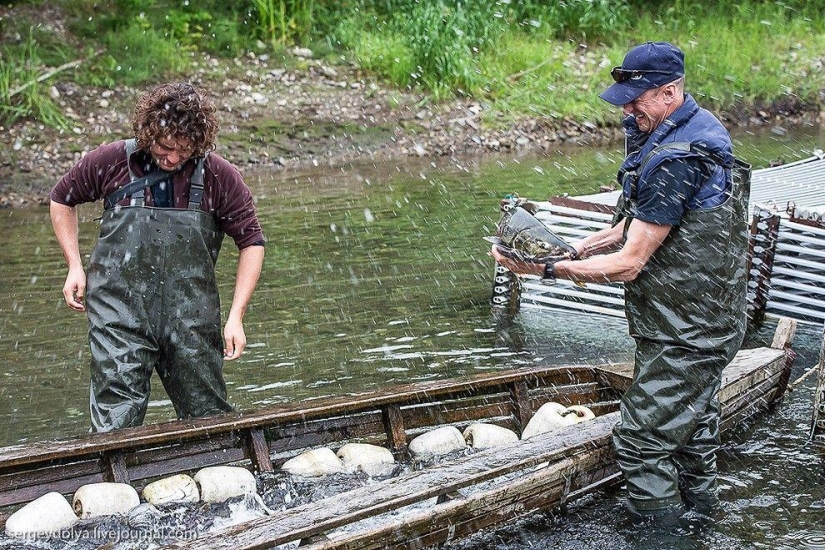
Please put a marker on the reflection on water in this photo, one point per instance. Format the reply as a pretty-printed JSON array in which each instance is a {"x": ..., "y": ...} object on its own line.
[{"x": 377, "y": 275}]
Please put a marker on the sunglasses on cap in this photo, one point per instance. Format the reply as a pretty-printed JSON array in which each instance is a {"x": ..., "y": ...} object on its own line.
[{"x": 623, "y": 75}]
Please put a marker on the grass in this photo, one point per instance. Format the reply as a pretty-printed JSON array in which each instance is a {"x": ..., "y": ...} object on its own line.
[
  {"x": 519, "y": 57},
  {"x": 744, "y": 52},
  {"x": 22, "y": 91}
]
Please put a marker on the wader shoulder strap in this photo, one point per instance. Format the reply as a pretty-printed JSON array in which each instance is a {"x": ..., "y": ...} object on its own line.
[
  {"x": 740, "y": 170},
  {"x": 196, "y": 185},
  {"x": 136, "y": 185},
  {"x": 131, "y": 147}
]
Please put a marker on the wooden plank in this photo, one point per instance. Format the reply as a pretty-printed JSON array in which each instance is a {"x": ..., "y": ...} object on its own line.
[
  {"x": 522, "y": 410},
  {"x": 257, "y": 451},
  {"x": 24, "y": 478},
  {"x": 506, "y": 500},
  {"x": 540, "y": 397},
  {"x": 220, "y": 442},
  {"x": 618, "y": 376},
  {"x": 394, "y": 428},
  {"x": 578, "y": 204},
  {"x": 737, "y": 381},
  {"x": 179, "y": 431},
  {"x": 65, "y": 486},
  {"x": 764, "y": 392},
  {"x": 736, "y": 418},
  {"x": 363, "y": 424},
  {"x": 785, "y": 331},
  {"x": 817, "y": 434},
  {"x": 345, "y": 508},
  {"x": 604, "y": 407},
  {"x": 784, "y": 334},
  {"x": 764, "y": 230},
  {"x": 186, "y": 463},
  {"x": 114, "y": 468},
  {"x": 296, "y": 443}
]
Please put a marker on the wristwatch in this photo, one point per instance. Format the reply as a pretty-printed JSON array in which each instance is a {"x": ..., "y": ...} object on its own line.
[{"x": 549, "y": 273}]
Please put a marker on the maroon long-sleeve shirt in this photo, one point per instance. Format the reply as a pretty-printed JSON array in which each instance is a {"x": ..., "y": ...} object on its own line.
[{"x": 225, "y": 195}]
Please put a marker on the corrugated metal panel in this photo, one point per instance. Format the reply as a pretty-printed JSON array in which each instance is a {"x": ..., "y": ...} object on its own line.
[
  {"x": 798, "y": 277},
  {"x": 801, "y": 183}
]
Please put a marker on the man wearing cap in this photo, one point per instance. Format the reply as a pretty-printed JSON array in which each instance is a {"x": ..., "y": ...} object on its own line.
[{"x": 678, "y": 242}]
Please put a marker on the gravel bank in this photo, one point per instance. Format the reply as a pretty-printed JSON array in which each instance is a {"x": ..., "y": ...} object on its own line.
[{"x": 309, "y": 115}]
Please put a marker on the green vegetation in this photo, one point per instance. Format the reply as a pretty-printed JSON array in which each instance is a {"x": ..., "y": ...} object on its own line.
[
  {"x": 22, "y": 93},
  {"x": 521, "y": 57}
]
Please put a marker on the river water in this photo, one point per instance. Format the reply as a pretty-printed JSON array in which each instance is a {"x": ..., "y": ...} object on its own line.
[{"x": 376, "y": 274}]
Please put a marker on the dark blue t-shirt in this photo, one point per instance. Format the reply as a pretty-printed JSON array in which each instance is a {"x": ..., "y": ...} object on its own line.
[{"x": 677, "y": 186}]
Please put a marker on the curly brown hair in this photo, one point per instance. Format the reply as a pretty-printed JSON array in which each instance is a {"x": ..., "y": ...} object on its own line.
[{"x": 177, "y": 110}]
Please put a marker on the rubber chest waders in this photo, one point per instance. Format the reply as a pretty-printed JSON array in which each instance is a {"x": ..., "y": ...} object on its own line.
[
  {"x": 153, "y": 303},
  {"x": 686, "y": 311}
]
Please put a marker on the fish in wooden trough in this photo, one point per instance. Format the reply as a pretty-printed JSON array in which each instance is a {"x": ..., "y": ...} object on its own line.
[
  {"x": 177, "y": 488},
  {"x": 582, "y": 413},
  {"x": 522, "y": 236},
  {"x": 219, "y": 483},
  {"x": 373, "y": 460}
]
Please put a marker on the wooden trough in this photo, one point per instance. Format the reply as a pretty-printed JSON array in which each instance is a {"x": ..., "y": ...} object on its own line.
[{"x": 413, "y": 510}]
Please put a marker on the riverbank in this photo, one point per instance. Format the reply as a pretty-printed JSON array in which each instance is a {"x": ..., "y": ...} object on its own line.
[{"x": 310, "y": 115}]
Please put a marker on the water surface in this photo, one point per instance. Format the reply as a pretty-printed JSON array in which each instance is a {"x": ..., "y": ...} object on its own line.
[{"x": 376, "y": 274}]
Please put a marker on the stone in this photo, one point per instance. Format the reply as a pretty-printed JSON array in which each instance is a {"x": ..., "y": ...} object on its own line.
[{"x": 304, "y": 53}]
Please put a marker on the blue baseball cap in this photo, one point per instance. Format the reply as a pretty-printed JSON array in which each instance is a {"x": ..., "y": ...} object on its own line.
[{"x": 645, "y": 67}]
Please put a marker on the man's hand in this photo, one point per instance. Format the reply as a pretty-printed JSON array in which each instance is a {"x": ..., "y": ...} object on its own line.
[
  {"x": 74, "y": 289},
  {"x": 517, "y": 266},
  {"x": 235, "y": 340}
]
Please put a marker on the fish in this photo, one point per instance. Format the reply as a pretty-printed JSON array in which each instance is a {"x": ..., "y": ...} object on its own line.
[{"x": 521, "y": 236}]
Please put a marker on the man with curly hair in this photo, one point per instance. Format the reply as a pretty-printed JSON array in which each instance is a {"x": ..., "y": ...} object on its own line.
[{"x": 150, "y": 291}]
